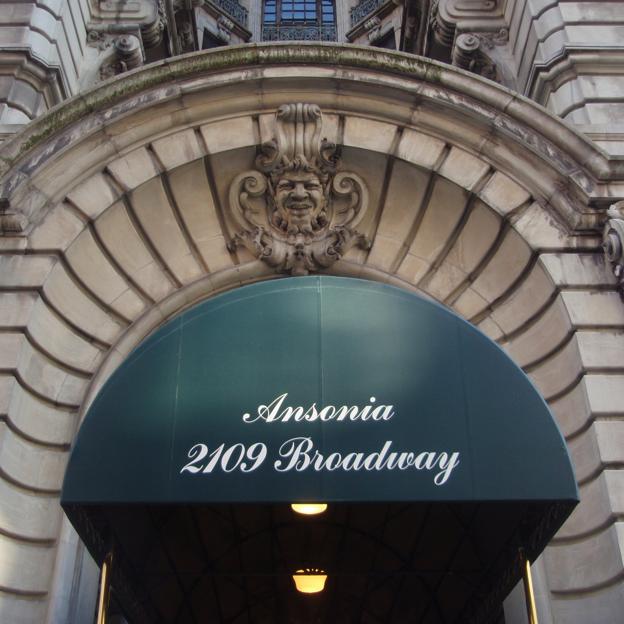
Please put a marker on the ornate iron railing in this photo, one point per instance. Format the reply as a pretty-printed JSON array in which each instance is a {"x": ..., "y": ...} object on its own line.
[
  {"x": 233, "y": 9},
  {"x": 299, "y": 32},
  {"x": 361, "y": 10}
]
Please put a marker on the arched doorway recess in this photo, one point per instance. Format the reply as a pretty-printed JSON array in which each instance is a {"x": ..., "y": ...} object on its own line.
[{"x": 478, "y": 198}]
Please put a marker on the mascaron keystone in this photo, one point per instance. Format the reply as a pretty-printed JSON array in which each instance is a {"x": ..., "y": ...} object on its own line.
[{"x": 296, "y": 211}]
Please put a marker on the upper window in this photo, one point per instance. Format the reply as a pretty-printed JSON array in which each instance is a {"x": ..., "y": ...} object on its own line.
[{"x": 299, "y": 19}]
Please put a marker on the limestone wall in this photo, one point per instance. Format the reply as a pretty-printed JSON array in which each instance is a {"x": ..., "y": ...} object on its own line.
[
  {"x": 569, "y": 57},
  {"x": 52, "y": 50},
  {"x": 128, "y": 220}
]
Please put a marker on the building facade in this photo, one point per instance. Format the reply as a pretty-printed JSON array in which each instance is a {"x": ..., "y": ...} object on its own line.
[{"x": 485, "y": 137}]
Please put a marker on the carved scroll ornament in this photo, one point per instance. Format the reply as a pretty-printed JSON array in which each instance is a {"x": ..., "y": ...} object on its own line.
[
  {"x": 613, "y": 242},
  {"x": 296, "y": 212}
]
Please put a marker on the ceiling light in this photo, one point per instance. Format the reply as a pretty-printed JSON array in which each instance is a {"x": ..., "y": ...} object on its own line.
[
  {"x": 310, "y": 580},
  {"x": 309, "y": 509}
]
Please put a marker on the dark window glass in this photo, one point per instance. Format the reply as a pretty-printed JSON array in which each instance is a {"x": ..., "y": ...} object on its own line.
[
  {"x": 299, "y": 20},
  {"x": 270, "y": 11},
  {"x": 327, "y": 8},
  {"x": 387, "y": 41},
  {"x": 300, "y": 11},
  {"x": 210, "y": 41}
]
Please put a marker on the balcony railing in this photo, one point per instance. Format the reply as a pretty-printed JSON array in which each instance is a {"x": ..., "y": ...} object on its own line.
[
  {"x": 364, "y": 8},
  {"x": 301, "y": 32},
  {"x": 234, "y": 10}
]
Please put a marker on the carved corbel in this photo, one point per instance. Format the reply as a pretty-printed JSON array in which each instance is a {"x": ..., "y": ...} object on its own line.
[
  {"x": 613, "y": 242},
  {"x": 469, "y": 54},
  {"x": 12, "y": 223},
  {"x": 296, "y": 211},
  {"x": 126, "y": 54},
  {"x": 373, "y": 28},
  {"x": 152, "y": 33},
  {"x": 225, "y": 27},
  {"x": 443, "y": 29}
]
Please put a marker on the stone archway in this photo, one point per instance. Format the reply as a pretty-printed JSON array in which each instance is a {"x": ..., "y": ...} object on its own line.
[{"x": 477, "y": 198}]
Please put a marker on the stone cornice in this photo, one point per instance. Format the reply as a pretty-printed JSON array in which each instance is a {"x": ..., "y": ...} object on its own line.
[
  {"x": 570, "y": 62},
  {"x": 583, "y": 170}
]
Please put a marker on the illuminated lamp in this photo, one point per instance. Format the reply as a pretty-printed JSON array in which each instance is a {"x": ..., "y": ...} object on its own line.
[
  {"x": 310, "y": 580},
  {"x": 309, "y": 509}
]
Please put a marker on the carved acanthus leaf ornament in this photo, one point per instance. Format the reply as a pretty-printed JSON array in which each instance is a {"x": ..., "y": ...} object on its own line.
[{"x": 296, "y": 211}]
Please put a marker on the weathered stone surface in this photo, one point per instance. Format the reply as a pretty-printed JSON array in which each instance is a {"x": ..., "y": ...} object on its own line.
[
  {"x": 578, "y": 269},
  {"x": 548, "y": 333},
  {"x": 58, "y": 229},
  {"x": 403, "y": 202},
  {"x": 592, "y": 513},
  {"x": 369, "y": 134},
  {"x": 177, "y": 149},
  {"x": 441, "y": 216},
  {"x": 572, "y": 411},
  {"x": 502, "y": 270},
  {"x": 505, "y": 295},
  {"x": 585, "y": 455},
  {"x": 475, "y": 240},
  {"x": 540, "y": 230},
  {"x": 228, "y": 134},
  {"x": 597, "y": 560},
  {"x": 35, "y": 565},
  {"x": 419, "y": 149},
  {"x": 593, "y": 308},
  {"x": 78, "y": 308},
  {"x": 44, "y": 468},
  {"x": 525, "y": 302},
  {"x": 101, "y": 277},
  {"x": 559, "y": 371},
  {"x": 37, "y": 419},
  {"x": 133, "y": 169},
  {"x": 503, "y": 194},
  {"x": 18, "y": 271},
  {"x": 20, "y": 609},
  {"x": 193, "y": 195},
  {"x": 16, "y": 308},
  {"x": 131, "y": 253},
  {"x": 157, "y": 218},
  {"x": 29, "y": 515},
  {"x": 463, "y": 168},
  {"x": 598, "y": 606},
  {"x": 93, "y": 195}
]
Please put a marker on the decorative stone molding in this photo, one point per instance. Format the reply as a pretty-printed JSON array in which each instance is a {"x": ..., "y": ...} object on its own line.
[
  {"x": 297, "y": 213},
  {"x": 184, "y": 28},
  {"x": 373, "y": 28},
  {"x": 233, "y": 8},
  {"x": 494, "y": 38},
  {"x": 100, "y": 40},
  {"x": 613, "y": 242},
  {"x": 468, "y": 54},
  {"x": 225, "y": 27},
  {"x": 465, "y": 50},
  {"x": 299, "y": 32},
  {"x": 127, "y": 55},
  {"x": 11, "y": 222},
  {"x": 481, "y": 18},
  {"x": 363, "y": 9},
  {"x": 443, "y": 29},
  {"x": 152, "y": 33}
]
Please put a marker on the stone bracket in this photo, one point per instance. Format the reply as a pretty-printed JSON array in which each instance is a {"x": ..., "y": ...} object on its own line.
[
  {"x": 613, "y": 242},
  {"x": 12, "y": 223}
]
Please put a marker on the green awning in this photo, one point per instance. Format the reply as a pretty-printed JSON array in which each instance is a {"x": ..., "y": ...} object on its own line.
[
  {"x": 437, "y": 456},
  {"x": 318, "y": 388}
]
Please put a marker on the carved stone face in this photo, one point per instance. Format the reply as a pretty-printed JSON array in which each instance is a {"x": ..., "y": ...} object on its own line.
[{"x": 299, "y": 199}]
